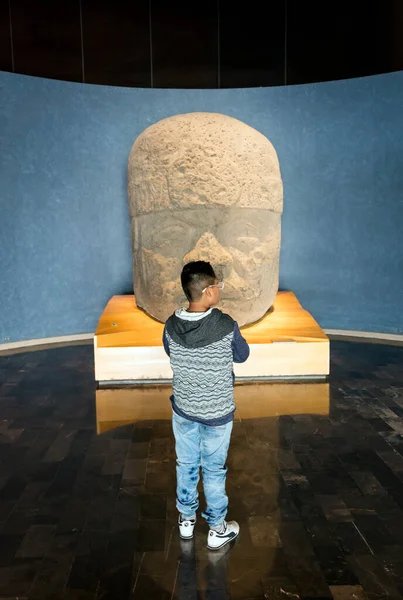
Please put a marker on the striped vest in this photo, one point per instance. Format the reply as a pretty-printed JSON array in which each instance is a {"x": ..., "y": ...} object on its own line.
[{"x": 202, "y": 363}]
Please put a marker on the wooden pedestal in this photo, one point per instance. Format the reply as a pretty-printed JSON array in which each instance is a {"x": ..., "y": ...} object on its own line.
[{"x": 286, "y": 343}]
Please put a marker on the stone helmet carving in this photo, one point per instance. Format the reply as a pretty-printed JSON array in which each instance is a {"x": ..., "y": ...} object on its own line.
[{"x": 205, "y": 186}]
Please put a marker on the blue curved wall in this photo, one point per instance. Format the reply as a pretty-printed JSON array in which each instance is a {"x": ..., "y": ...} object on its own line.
[{"x": 64, "y": 226}]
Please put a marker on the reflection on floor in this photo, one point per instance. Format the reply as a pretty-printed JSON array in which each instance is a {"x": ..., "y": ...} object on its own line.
[
  {"x": 315, "y": 480},
  {"x": 117, "y": 407}
]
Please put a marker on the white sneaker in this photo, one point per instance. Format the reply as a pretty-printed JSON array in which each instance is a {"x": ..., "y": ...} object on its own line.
[
  {"x": 186, "y": 527},
  {"x": 218, "y": 540}
]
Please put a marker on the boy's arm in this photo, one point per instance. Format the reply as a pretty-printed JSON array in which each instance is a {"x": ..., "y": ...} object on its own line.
[
  {"x": 240, "y": 348},
  {"x": 165, "y": 342}
]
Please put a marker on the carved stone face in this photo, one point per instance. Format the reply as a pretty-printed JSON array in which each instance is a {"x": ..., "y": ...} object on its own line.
[{"x": 204, "y": 186}]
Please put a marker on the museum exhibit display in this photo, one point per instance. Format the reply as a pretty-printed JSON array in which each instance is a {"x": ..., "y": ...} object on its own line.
[
  {"x": 205, "y": 186},
  {"x": 139, "y": 138}
]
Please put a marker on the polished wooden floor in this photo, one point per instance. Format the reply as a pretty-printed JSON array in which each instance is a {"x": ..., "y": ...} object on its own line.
[{"x": 315, "y": 480}]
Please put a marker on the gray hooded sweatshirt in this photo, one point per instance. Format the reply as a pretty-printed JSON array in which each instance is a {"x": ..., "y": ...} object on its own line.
[{"x": 202, "y": 348}]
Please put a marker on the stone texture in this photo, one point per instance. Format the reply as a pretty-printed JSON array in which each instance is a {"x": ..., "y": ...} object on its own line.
[{"x": 205, "y": 186}]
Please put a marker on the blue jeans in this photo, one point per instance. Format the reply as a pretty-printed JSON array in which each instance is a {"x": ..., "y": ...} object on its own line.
[{"x": 202, "y": 446}]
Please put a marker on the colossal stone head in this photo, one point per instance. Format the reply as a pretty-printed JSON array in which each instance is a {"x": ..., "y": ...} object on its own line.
[{"x": 204, "y": 186}]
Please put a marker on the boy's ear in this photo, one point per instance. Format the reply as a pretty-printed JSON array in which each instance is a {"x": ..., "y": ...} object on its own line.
[{"x": 210, "y": 294}]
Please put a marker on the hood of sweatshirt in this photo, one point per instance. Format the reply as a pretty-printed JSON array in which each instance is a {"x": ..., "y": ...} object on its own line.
[{"x": 196, "y": 330}]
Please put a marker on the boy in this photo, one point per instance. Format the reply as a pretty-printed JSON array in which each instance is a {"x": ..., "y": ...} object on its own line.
[{"x": 202, "y": 343}]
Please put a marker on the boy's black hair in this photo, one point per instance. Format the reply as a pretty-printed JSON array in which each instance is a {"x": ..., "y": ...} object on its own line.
[{"x": 195, "y": 276}]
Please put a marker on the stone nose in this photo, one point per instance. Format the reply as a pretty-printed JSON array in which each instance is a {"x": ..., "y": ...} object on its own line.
[{"x": 208, "y": 248}]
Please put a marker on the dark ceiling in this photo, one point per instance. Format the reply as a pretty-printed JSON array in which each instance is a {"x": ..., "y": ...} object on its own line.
[{"x": 204, "y": 44}]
